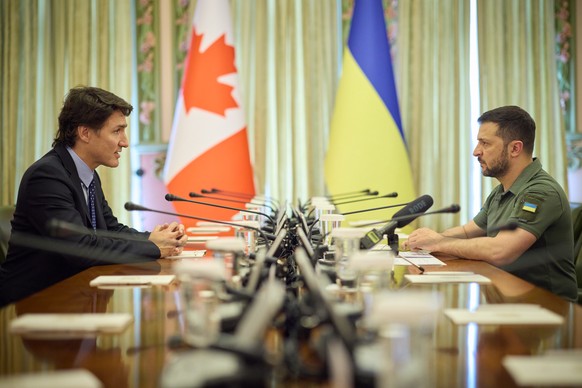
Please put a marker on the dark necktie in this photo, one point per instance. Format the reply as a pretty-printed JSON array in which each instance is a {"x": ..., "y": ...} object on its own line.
[{"x": 92, "y": 204}]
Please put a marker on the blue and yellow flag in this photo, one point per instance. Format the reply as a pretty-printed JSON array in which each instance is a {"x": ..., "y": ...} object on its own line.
[{"x": 367, "y": 149}]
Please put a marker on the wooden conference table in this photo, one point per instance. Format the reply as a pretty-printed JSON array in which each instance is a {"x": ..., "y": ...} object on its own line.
[{"x": 464, "y": 356}]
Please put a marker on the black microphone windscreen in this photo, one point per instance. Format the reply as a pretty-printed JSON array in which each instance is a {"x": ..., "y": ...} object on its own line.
[
  {"x": 454, "y": 208},
  {"x": 413, "y": 209},
  {"x": 512, "y": 225},
  {"x": 132, "y": 206}
]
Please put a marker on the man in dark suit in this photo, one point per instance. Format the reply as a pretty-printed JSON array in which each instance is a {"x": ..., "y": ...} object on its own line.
[{"x": 63, "y": 185}]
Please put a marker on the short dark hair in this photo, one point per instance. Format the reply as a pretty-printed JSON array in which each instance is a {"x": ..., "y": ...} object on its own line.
[
  {"x": 513, "y": 123},
  {"x": 88, "y": 106}
]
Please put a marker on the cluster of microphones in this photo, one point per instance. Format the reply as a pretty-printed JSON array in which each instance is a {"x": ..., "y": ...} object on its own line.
[
  {"x": 291, "y": 241},
  {"x": 277, "y": 285}
]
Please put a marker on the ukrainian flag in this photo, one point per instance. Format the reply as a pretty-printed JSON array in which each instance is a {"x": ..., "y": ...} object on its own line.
[{"x": 367, "y": 148}]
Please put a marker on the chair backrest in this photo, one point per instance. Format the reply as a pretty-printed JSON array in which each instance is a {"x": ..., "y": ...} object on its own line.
[
  {"x": 6, "y": 215},
  {"x": 577, "y": 225}
]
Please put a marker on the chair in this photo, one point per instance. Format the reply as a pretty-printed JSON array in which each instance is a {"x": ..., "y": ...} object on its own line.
[
  {"x": 6, "y": 215},
  {"x": 577, "y": 225}
]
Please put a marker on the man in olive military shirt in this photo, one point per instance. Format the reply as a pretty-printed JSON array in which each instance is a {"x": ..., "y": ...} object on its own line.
[{"x": 540, "y": 250}]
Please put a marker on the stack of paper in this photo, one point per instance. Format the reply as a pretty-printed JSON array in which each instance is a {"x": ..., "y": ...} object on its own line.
[
  {"x": 69, "y": 325},
  {"x": 199, "y": 239},
  {"x": 418, "y": 258},
  {"x": 505, "y": 314},
  {"x": 188, "y": 254},
  {"x": 131, "y": 280},
  {"x": 555, "y": 368},
  {"x": 447, "y": 277},
  {"x": 73, "y": 378},
  {"x": 208, "y": 229}
]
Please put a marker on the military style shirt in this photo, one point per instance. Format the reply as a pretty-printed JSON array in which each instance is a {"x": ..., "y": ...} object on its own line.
[{"x": 539, "y": 205}]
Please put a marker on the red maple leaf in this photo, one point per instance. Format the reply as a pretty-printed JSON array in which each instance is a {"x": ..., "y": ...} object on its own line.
[{"x": 201, "y": 86}]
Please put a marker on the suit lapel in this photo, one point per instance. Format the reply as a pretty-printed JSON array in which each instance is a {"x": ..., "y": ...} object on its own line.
[{"x": 69, "y": 164}]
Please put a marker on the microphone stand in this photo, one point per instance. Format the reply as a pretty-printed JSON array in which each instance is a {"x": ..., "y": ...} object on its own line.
[
  {"x": 239, "y": 195},
  {"x": 130, "y": 206},
  {"x": 390, "y": 195},
  {"x": 375, "y": 208},
  {"x": 172, "y": 197},
  {"x": 196, "y": 195}
]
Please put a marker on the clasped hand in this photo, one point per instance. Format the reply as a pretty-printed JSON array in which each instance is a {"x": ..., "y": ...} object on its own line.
[{"x": 169, "y": 238}]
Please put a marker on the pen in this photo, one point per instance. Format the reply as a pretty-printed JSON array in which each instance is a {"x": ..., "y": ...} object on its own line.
[{"x": 418, "y": 267}]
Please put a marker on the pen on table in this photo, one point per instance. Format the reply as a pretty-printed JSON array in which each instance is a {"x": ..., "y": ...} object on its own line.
[{"x": 418, "y": 267}]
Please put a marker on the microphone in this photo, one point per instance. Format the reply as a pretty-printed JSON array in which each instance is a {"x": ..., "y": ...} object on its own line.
[
  {"x": 245, "y": 196},
  {"x": 93, "y": 255},
  {"x": 172, "y": 197},
  {"x": 238, "y": 194},
  {"x": 130, "y": 206},
  {"x": 390, "y": 195},
  {"x": 370, "y": 193},
  {"x": 454, "y": 208},
  {"x": 196, "y": 195},
  {"x": 401, "y": 218},
  {"x": 61, "y": 229},
  {"x": 361, "y": 192},
  {"x": 511, "y": 225},
  {"x": 375, "y": 208}
]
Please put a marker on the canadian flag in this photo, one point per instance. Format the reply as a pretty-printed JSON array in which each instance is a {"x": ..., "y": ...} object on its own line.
[{"x": 208, "y": 145}]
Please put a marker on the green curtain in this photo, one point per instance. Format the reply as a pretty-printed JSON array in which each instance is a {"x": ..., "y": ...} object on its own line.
[
  {"x": 517, "y": 66},
  {"x": 432, "y": 71},
  {"x": 288, "y": 58},
  {"x": 48, "y": 48}
]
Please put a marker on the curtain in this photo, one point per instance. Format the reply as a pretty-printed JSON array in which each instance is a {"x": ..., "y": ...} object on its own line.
[
  {"x": 49, "y": 47},
  {"x": 432, "y": 75},
  {"x": 288, "y": 58},
  {"x": 517, "y": 67}
]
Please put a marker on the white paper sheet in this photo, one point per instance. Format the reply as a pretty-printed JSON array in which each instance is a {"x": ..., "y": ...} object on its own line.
[
  {"x": 56, "y": 326},
  {"x": 208, "y": 229},
  {"x": 188, "y": 254},
  {"x": 111, "y": 280},
  {"x": 505, "y": 314},
  {"x": 447, "y": 277},
  {"x": 72, "y": 378},
  {"x": 418, "y": 258},
  {"x": 197, "y": 239},
  {"x": 563, "y": 368}
]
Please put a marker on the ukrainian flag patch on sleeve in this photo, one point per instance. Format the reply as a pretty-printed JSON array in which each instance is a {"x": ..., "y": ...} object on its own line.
[{"x": 529, "y": 207}]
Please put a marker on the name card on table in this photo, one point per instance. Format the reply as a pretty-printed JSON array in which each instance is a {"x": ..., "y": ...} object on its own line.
[
  {"x": 129, "y": 280},
  {"x": 71, "y": 378},
  {"x": 188, "y": 255},
  {"x": 58, "y": 326},
  {"x": 208, "y": 229},
  {"x": 505, "y": 314},
  {"x": 200, "y": 239},
  {"x": 447, "y": 277},
  {"x": 419, "y": 258},
  {"x": 554, "y": 368}
]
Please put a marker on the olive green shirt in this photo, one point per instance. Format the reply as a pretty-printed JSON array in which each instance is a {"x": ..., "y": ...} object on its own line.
[{"x": 539, "y": 205}]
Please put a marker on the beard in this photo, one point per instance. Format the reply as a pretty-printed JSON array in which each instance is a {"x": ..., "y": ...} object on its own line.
[{"x": 498, "y": 167}]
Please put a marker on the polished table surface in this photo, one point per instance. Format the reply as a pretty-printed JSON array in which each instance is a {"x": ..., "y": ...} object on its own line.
[{"x": 468, "y": 355}]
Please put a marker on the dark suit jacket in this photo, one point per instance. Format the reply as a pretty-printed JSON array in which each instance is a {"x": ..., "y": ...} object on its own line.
[{"x": 51, "y": 189}]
